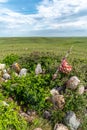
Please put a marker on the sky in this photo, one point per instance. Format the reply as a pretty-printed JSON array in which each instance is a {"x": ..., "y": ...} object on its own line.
[{"x": 45, "y": 18}]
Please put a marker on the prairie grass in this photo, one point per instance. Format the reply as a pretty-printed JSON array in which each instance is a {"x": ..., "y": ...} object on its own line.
[{"x": 58, "y": 46}]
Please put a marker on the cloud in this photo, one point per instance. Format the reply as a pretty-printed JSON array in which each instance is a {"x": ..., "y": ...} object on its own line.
[
  {"x": 3, "y": 1},
  {"x": 61, "y": 16},
  {"x": 57, "y": 8},
  {"x": 57, "y": 14}
]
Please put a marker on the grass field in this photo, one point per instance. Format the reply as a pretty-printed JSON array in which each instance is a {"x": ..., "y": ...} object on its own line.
[
  {"x": 58, "y": 46},
  {"x": 23, "y": 93}
]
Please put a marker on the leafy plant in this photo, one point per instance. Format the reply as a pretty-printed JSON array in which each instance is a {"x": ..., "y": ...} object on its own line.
[
  {"x": 29, "y": 91},
  {"x": 10, "y": 119},
  {"x": 10, "y": 59},
  {"x": 74, "y": 101}
]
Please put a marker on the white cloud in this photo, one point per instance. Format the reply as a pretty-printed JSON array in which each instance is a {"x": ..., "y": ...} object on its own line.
[
  {"x": 56, "y": 8},
  {"x": 14, "y": 19},
  {"x": 51, "y": 14},
  {"x": 3, "y": 1},
  {"x": 61, "y": 14}
]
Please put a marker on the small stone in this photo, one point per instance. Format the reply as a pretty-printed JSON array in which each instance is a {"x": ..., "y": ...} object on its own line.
[
  {"x": 37, "y": 129},
  {"x": 6, "y": 76},
  {"x": 54, "y": 92},
  {"x": 60, "y": 127},
  {"x": 23, "y": 72},
  {"x": 31, "y": 113},
  {"x": 38, "y": 69},
  {"x": 2, "y": 66},
  {"x": 81, "y": 89},
  {"x": 73, "y": 83},
  {"x": 71, "y": 120},
  {"x": 27, "y": 117},
  {"x": 24, "y": 114},
  {"x": 2, "y": 80},
  {"x": 58, "y": 101},
  {"x": 16, "y": 67},
  {"x": 47, "y": 115},
  {"x": 4, "y": 71}
]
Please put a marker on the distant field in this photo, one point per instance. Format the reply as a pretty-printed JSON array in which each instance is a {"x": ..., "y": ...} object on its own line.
[{"x": 59, "y": 46}]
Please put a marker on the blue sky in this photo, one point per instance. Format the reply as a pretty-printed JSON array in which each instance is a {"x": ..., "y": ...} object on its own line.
[{"x": 43, "y": 18}]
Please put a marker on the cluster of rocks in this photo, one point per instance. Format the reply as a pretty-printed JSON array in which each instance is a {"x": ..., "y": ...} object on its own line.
[
  {"x": 18, "y": 71},
  {"x": 71, "y": 122},
  {"x": 58, "y": 101},
  {"x": 72, "y": 83},
  {"x": 4, "y": 75},
  {"x": 57, "y": 97},
  {"x": 29, "y": 115},
  {"x": 5, "y": 72}
]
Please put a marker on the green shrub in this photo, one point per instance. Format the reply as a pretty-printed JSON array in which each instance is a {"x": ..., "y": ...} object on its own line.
[
  {"x": 10, "y": 59},
  {"x": 74, "y": 101},
  {"x": 29, "y": 91},
  {"x": 48, "y": 61},
  {"x": 10, "y": 119},
  {"x": 57, "y": 116}
]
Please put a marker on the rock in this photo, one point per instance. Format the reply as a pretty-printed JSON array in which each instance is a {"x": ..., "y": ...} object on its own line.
[
  {"x": 58, "y": 101},
  {"x": 54, "y": 92},
  {"x": 71, "y": 120},
  {"x": 6, "y": 76},
  {"x": 4, "y": 71},
  {"x": 38, "y": 69},
  {"x": 2, "y": 80},
  {"x": 60, "y": 127},
  {"x": 37, "y": 129},
  {"x": 27, "y": 117},
  {"x": 23, "y": 72},
  {"x": 81, "y": 89},
  {"x": 60, "y": 89},
  {"x": 31, "y": 113},
  {"x": 16, "y": 67},
  {"x": 2, "y": 66},
  {"x": 47, "y": 115},
  {"x": 73, "y": 82}
]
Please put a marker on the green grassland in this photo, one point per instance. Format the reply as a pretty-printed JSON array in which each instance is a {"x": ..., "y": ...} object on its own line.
[
  {"x": 30, "y": 91},
  {"x": 59, "y": 46}
]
